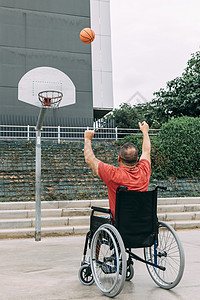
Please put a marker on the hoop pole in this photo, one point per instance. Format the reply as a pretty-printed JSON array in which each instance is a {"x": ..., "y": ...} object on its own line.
[
  {"x": 38, "y": 187},
  {"x": 40, "y": 118},
  {"x": 38, "y": 175}
]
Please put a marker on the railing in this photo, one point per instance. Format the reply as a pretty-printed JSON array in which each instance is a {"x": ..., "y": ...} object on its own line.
[{"x": 11, "y": 132}]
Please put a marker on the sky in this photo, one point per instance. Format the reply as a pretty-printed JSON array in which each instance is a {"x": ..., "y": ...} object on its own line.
[{"x": 152, "y": 40}]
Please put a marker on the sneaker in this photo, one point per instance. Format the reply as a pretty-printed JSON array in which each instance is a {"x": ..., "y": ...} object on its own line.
[{"x": 108, "y": 269}]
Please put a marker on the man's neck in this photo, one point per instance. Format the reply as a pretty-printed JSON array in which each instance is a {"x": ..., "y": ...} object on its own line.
[{"x": 121, "y": 165}]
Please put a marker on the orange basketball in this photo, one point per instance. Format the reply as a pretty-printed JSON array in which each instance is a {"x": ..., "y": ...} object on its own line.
[{"x": 87, "y": 35}]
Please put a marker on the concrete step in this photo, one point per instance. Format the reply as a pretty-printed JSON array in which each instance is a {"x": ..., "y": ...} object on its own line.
[
  {"x": 179, "y": 216},
  {"x": 179, "y": 200},
  {"x": 60, "y": 212},
  {"x": 85, "y": 220},
  {"x": 88, "y": 203},
  {"x": 45, "y": 232},
  {"x": 45, "y": 222},
  {"x": 77, "y": 230},
  {"x": 17, "y": 219},
  {"x": 53, "y": 204},
  {"x": 185, "y": 224},
  {"x": 178, "y": 208},
  {"x": 68, "y": 212}
]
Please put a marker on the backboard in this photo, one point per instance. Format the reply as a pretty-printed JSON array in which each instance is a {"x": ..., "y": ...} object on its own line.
[{"x": 44, "y": 79}]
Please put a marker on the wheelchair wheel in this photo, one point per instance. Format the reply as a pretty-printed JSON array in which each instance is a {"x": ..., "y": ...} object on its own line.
[
  {"x": 129, "y": 272},
  {"x": 85, "y": 275},
  {"x": 108, "y": 260},
  {"x": 170, "y": 255}
]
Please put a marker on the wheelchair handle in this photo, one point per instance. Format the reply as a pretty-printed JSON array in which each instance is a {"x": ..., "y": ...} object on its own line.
[
  {"x": 122, "y": 188},
  {"x": 101, "y": 209}
]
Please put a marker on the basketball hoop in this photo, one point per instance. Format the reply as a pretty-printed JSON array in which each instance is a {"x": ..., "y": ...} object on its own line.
[{"x": 50, "y": 98}]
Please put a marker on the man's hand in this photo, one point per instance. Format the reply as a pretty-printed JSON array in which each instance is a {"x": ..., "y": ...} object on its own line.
[
  {"x": 146, "y": 145},
  {"x": 89, "y": 134},
  {"x": 90, "y": 158},
  {"x": 144, "y": 127}
]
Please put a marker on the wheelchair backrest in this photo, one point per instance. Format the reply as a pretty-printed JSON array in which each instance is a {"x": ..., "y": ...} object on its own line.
[{"x": 136, "y": 217}]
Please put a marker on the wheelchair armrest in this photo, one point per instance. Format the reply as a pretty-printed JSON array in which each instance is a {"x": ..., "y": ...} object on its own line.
[
  {"x": 101, "y": 209},
  {"x": 161, "y": 187}
]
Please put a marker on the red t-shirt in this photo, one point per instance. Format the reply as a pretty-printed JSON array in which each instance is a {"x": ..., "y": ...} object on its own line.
[{"x": 136, "y": 179}]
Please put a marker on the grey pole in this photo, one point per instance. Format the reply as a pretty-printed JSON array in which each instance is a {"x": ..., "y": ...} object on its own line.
[
  {"x": 38, "y": 176},
  {"x": 38, "y": 187},
  {"x": 40, "y": 118}
]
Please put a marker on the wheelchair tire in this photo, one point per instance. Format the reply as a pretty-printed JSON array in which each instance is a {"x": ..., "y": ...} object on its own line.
[
  {"x": 85, "y": 275},
  {"x": 108, "y": 260},
  {"x": 129, "y": 272},
  {"x": 170, "y": 254}
]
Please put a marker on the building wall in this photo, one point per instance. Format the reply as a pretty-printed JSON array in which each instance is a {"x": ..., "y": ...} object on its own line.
[
  {"x": 101, "y": 57},
  {"x": 44, "y": 33}
]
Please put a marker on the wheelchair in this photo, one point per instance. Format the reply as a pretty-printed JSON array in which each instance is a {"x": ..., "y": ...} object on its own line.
[{"x": 136, "y": 225}]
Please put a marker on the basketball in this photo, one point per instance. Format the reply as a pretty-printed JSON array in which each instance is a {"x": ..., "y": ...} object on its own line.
[{"x": 87, "y": 35}]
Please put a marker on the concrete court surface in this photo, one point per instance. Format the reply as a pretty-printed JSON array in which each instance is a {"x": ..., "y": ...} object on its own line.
[{"x": 48, "y": 270}]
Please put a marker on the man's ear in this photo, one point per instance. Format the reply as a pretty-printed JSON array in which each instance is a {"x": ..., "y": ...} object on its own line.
[
  {"x": 137, "y": 158},
  {"x": 119, "y": 159}
]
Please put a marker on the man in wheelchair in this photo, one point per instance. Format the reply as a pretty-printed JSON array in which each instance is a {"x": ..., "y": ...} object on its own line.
[
  {"x": 135, "y": 176},
  {"x": 132, "y": 223}
]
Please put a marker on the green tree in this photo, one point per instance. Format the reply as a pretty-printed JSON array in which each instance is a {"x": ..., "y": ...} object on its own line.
[
  {"x": 181, "y": 97},
  {"x": 182, "y": 94},
  {"x": 125, "y": 117},
  {"x": 128, "y": 116}
]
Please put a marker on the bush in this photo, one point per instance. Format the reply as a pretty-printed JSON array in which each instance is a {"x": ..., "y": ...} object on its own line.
[{"x": 178, "y": 143}]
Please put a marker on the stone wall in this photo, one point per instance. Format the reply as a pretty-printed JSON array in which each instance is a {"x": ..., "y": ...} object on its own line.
[{"x": 65, "y": 175}]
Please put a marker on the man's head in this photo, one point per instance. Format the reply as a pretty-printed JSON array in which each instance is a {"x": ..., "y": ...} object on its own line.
[{"x": 128, "y": 155}]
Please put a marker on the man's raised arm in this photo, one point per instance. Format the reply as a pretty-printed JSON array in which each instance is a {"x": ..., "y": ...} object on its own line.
[
  {"x": 90, "y": 158},
  {"x": 146, "y": 145}
]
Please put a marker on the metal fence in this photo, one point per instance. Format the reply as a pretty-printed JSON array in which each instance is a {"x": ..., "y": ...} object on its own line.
[{"x": 59, "y": 133}]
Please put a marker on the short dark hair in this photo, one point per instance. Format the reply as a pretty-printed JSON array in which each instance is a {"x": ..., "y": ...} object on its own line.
[{"x": 128, "y": 153}]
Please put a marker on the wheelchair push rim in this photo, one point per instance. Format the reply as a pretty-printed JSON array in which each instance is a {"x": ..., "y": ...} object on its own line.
[
  {"x": 170, "y": 254},
  {"x": 108, "y": 260}
]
